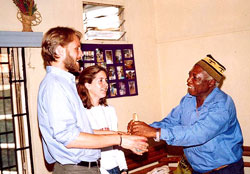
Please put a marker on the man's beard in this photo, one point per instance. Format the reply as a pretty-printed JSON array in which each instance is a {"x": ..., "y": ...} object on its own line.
[{"x": 71, "y": 65}]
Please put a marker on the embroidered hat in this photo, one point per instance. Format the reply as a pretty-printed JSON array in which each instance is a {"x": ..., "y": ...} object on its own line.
[{"x": 212, "y": 67}]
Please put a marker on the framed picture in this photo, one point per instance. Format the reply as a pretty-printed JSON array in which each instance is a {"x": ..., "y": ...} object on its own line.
[
  {"x": 122, "y": 88},
  {"x": 109, "y": 57},
  {"x": 129, "y": 64},
  {"x": 120, "y": 72},
  {"x": 118, "y": 59},
  {"x": 132, "y": 88},
  {"x": 118, "y": 56},
  {"x": 99, "y": 55},
  {"x": 128, "y": 53},
  {"x": 130, "y": 74},
  {"x": 113, "y": 89},
  {"x": 88, "y": 64},
  {"x": 88, "y": 55},
  {"x": 111, "y": 73}
]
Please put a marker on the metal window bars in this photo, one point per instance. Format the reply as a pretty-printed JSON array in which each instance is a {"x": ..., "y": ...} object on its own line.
[{"x": 15, "y": 139}]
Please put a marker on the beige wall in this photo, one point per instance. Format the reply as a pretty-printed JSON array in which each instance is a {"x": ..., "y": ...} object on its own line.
[
  {"x": 168, "y": 37},
  {"x": 189, "y": 30},
  {"x": 140, "y": 32}
]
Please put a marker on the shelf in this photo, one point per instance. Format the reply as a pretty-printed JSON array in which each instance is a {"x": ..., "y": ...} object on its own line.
[{"x": 20, "y": 39}]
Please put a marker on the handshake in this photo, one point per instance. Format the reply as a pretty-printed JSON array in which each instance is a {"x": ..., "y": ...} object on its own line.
[
  {"x": 140, "y": 128},
  {"x": 142, "y": 131}
]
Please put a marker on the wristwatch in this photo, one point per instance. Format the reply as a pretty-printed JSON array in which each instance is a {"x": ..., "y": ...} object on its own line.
[{"x": 157, "y": 138}]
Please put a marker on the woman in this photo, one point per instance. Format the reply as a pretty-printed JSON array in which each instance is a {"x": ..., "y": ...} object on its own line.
[{"x": 92, "y": 88}]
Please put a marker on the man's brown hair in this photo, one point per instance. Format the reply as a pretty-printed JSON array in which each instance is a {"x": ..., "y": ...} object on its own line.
[{"x": 58, "y": 36}]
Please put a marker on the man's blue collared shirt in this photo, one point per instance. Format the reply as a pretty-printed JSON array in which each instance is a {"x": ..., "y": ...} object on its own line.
[
  {"x": 211, "y": 135},
  {"x": 61, "y": 118}
]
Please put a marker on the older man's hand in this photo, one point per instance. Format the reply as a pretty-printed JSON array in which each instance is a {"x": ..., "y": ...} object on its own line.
[{"x": 141, "y": 128}]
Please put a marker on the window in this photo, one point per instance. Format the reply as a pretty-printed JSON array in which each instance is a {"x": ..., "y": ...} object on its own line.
[
  {"x": 103, "y": 22},
  {"x": 15, "y": 144}
]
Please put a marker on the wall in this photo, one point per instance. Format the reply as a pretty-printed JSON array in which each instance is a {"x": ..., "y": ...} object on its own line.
[
  {"x": 169, "y": 37},
  {"x": 140, "y": 32},
  {"x": 189, "y": 30}
]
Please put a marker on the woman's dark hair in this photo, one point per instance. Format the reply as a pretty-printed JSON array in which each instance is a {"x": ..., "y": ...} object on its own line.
[{"x": 87, "y": 76}]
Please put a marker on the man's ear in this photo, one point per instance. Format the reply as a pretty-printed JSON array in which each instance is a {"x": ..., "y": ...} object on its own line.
[
  {"x": 60, "y": 52},
  {"x": 212, "y": 83}
]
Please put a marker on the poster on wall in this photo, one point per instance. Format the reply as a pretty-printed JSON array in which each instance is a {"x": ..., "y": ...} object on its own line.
[{"x": 119, "y": 61}]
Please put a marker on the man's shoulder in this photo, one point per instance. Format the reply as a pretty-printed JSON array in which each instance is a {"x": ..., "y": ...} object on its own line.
[
  {"x": 51, "y": 83},
  {"x": 220, "y": 99},
  {"x": 49, "y": 80},
  {"x": 221, "y": 95}
]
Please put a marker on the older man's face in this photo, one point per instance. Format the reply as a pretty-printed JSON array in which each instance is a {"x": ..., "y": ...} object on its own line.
[{"x": 198, "y": 83}]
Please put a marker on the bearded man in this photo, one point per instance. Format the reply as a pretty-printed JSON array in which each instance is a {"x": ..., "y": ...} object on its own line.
[{"x": 68, "y": 139}]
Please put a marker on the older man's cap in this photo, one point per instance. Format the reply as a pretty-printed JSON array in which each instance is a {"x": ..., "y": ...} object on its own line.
[{"x": 212, "y": 67}]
